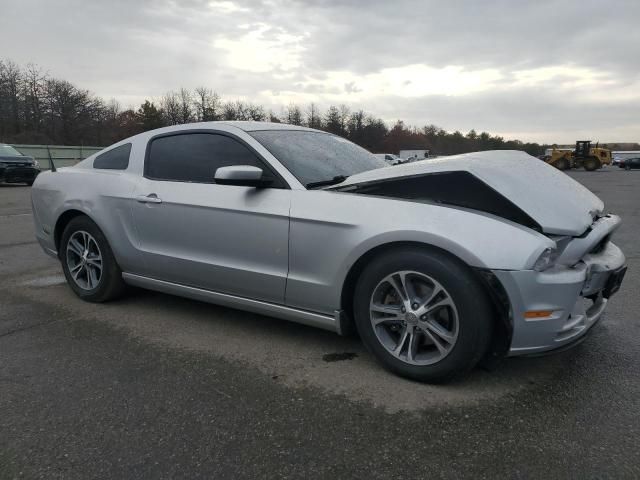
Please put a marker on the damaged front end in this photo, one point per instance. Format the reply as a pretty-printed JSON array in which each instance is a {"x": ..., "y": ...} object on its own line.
[
  {"x": 552, "y": 304},
  {"x": 554, "y": 308}
]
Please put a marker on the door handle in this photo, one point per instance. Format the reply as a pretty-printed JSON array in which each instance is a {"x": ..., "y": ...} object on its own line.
[{"x": 151, "y": 198}]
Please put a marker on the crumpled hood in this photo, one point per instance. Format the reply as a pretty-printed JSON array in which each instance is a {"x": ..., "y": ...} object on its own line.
[{"x": 559, "y": 204}]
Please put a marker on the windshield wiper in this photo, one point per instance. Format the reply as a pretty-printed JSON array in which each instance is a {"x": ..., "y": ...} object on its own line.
[{"x": 323, "y": 183}]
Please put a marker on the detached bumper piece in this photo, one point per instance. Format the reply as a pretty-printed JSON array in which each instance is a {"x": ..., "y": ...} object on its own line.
[
  {"x": 20, "y": 174},
  {"x": 574, "y": 297}
]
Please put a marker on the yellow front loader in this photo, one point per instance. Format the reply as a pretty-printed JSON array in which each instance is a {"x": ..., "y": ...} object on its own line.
[{"x": 591, "y": 158}]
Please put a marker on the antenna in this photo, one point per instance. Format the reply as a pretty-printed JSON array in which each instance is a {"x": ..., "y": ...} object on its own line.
[{"x": 53, "y": 165}]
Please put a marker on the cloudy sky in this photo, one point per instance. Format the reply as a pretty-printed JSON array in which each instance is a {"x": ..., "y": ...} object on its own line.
[{"x": 548, "y": 71}]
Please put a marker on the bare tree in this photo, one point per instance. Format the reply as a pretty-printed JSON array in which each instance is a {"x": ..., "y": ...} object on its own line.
[
  {"x": 255, "y": 112},
  {"x": 355, "y": 126},
  {"x": 113, "y": 108},
  {"x": 240, "y": 110},
  {"x": 207, "y": 104},
  {"x": 314, "y": 120},
  {"x": 170, "y": 104},
  {"x": 74, "y": 114},
  {"x": 344, "y": 118},
  {"x": 294, "y": 114},
  {"x": 10, "y": 99},
  {"x": 229, "y": 111},
  {"x": 186, "y": 114},
  {"x": 34, "y": 85}
]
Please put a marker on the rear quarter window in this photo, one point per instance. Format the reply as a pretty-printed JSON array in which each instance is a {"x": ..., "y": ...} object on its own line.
[{"x": 115, "y": 159}]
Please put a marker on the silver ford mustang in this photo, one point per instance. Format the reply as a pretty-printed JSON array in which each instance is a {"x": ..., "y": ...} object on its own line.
[{"x": 437, "y": 264}]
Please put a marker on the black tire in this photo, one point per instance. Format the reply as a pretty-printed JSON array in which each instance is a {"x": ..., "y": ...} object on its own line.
[
  {"x": 110, "y": 284},
  {"x": 475, "y": 324},
  {"x": 563, "y": 164},
  {"x": 627, "y": 167},
  {"x": 592, "y": 163}
]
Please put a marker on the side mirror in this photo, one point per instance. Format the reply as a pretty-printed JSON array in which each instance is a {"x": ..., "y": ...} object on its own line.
[{"x": 241, "y": 175}]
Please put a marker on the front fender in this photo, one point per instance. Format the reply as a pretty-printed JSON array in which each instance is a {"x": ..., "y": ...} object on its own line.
[{"x": 330, "y": 231}]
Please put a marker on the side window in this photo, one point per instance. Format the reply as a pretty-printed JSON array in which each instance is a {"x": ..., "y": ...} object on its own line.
[
  {"x": 115, "y": 159},
  {"x": 195, "y": 157}
]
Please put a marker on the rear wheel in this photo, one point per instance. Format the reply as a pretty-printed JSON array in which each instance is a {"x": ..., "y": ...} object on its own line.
[
  {"x": 88, "y": 262},
  {"x": 422, "y": 314},
  {"x": 592, "y": 163}
]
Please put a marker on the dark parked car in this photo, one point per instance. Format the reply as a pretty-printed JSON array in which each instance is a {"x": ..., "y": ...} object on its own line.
[
  {"x": 629, "y": 163},
  {"x": 16, "y": 167}
]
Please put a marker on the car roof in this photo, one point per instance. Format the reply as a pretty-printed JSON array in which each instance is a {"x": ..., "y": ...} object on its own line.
[
  {"x": 247, "y": 126},
  {"x": 250, "y": 126}
]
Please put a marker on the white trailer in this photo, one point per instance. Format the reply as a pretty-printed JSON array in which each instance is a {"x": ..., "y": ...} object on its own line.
[{"x": 413, "y": 155}]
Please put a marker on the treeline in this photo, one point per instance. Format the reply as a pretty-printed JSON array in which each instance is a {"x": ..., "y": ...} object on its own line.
[
  {"x": 36, "y": 108},
  {"x": 634, "y": 146}
]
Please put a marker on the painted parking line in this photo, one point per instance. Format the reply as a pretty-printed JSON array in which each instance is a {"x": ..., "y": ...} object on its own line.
[
  {"x": 18, "y": 244},
  {"x": 46, "y": 281},
  {"x": 17, "y": 215}
]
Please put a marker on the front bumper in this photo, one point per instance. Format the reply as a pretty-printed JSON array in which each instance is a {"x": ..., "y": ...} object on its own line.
[
  {"x": 576, "y": 296},
  {"x": 18, "y": 174}
]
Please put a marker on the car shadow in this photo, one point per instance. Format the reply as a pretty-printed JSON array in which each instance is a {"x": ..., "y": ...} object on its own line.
[
  {"x": 318, "y": 343},
  {"x": 295, "y": 355}
]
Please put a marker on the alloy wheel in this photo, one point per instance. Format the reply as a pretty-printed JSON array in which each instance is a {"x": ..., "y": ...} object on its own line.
[
  {"x": 414, "y": 317},
  {"x": 84, "y": 260}
]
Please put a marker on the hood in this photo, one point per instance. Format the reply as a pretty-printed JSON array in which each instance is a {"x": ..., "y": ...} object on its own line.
[
  {"x": 552, "y": 199},
  {"x": 16, "y": 159}
]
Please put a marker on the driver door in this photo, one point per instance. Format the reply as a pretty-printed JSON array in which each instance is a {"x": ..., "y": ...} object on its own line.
[{"x": 224, "y": 238}]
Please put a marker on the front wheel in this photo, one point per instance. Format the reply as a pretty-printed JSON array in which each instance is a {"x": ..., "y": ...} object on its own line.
[
  {"x": 590, "y": 164},
  {"x": 88, "y": 262},
  {"x": 423, "y": 314},
  {"x": 563, "y": 164}
]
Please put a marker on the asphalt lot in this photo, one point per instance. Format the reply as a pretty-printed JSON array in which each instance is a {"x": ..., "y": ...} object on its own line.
[{"x": 153, "y": 386}]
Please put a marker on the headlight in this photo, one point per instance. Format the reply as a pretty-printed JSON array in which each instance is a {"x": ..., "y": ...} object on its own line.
[
  {"x": 545, "y": 260},
  {"x": 36, "y": 164}
]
